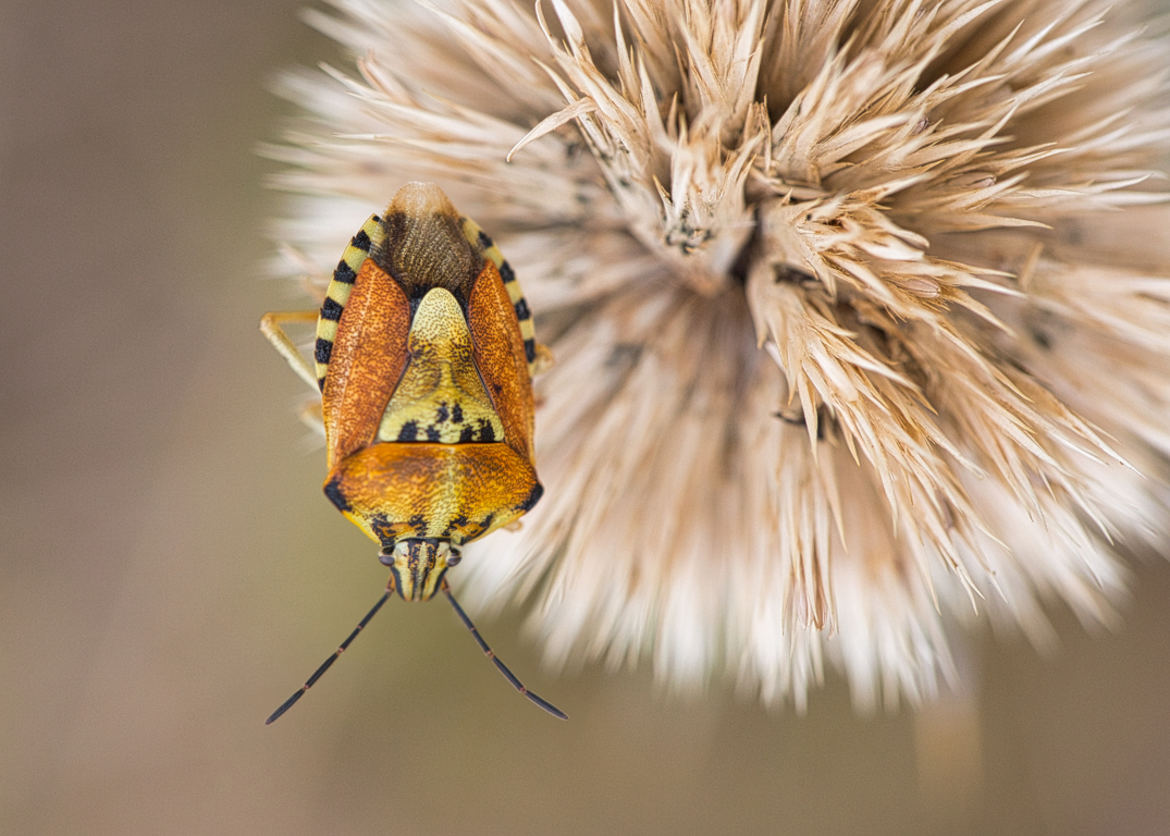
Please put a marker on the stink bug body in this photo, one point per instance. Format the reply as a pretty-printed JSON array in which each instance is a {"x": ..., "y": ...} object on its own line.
[{"x": 423, "y": 359}]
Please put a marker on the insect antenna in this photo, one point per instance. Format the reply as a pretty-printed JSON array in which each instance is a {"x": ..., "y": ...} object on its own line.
[
  {"x": 317, "y": 674},
  {"x": 487, "y": 651}
]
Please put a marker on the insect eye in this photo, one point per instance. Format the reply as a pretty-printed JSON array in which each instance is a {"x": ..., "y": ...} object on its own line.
[{"x": 454, "y": 560}]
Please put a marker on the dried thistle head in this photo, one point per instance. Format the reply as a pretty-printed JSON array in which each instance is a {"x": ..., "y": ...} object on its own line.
[{"x": 861, "y": 308}]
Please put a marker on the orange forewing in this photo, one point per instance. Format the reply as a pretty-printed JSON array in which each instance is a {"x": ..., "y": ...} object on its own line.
[
  {"x": 499, "y": 353},
  {"x": 369, "y": 354}
]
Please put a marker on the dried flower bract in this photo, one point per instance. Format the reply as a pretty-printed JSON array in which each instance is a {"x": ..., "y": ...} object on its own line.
[{"x": 860, "y": 308}]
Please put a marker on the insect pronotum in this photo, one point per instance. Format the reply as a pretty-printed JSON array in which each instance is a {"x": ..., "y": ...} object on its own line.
[{"x": 423, "y": 360}]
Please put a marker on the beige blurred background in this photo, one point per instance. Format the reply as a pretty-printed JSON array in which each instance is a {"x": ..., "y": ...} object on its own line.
[{"x": 170, "y": 570}]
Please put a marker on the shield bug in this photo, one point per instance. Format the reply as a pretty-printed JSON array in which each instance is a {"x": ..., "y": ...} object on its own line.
[{"x": 423, "y": 361}]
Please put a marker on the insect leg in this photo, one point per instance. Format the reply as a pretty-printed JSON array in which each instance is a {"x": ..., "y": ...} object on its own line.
[
  {"x": 311, "y": 416},
  {"x": 271, "y": 326}
]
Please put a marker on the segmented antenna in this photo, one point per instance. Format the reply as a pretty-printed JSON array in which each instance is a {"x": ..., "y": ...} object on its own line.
[
  {"x": 487, "y": 651},
  {"x": 467, "y": 622},
  {"x": 317, "y": 674}
]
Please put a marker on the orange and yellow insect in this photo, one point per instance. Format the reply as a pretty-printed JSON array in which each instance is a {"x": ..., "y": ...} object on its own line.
[{"x": 424, "y": 356}]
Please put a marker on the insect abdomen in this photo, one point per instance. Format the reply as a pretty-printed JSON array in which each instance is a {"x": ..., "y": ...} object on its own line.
[
  {"x": 340, "y": 286},
  {"x": 519, "y": 304}
]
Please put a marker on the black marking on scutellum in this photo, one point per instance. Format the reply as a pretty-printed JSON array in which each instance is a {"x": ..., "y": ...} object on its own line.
[
  {"x": 433, "y": 433},
  {"x": 331, "y": 309},
  {"x": 409, "y": 431},
  {"x": 344, "y": 273},
  {"x": 442, "y": 413},
  {"x": 323, "y": 351},
  {"x": 333, "y": 492},
  {"x": 486, "y": 433},
  {"x": 467, "y": 434},
  {"x": 457, "y": 414}
]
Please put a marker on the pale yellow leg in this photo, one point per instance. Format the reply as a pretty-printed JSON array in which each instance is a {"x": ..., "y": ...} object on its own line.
[
  {"x": 313, "y": 288},
  {"x": 311, "y": 417},
  {"x": 544, "y": 359},
  {"x": 271, "y": 325}
]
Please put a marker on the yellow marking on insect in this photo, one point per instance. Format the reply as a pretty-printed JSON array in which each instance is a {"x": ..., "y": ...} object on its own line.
[
  {"x": 326, "y": 330},
  {"x": 475, "y": 234},
  {"x": 527, "y": 330},
  {"x": 371, "y": 235},
  {"x": 441, "y": 397}
]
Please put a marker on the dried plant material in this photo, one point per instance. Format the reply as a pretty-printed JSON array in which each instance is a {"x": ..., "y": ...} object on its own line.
[{"x": 861, "y": 308}]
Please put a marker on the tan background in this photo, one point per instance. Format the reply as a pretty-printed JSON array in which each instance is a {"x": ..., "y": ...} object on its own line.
[{"x": 170, "y": 570}]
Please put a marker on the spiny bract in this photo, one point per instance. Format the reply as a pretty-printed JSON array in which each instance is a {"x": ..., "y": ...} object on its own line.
[{"x": 861, "y": 310}]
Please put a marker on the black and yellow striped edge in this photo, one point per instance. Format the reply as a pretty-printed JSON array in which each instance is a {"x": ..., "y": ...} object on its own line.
[
  {"x": 523, "y": 314},
  {"x": 340, "y": 286}
]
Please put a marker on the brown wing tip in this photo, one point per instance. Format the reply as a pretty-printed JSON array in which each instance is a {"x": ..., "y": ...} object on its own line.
[{"x": 417, "y": 199}]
